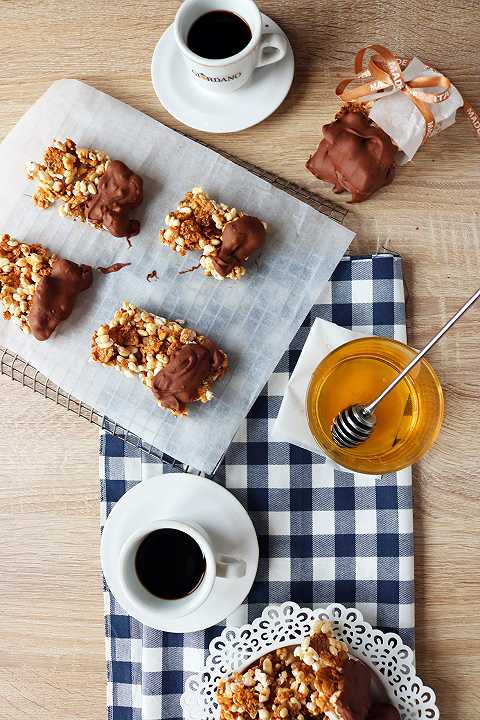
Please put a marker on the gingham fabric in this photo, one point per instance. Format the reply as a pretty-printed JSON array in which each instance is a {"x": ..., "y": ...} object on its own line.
[{"x": 324, "y": 535}]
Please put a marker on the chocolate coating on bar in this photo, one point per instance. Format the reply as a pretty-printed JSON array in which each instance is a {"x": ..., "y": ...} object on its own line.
[
  {"x": 119, "y": 192},
  {"x": 55, "y": 296},
  {"x": 178, "y": 383},
  {"x": 354, "y": 155},
  {"x": 383, "y": 711},
  {"x": 355, "y": 697},
  {"x": 240, "y": 238}
]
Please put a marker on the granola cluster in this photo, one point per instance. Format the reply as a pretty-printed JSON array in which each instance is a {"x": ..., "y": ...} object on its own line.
[
  {"x": 197, "y": 224},
  {"x": 141, "y": 344},
  {"x": 293, "y": 682},
  {"x": 22, "y": 267},
  {"x": 70, "y": 175}
]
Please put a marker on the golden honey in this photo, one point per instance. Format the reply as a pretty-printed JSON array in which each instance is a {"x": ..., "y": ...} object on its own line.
[{"x": 408, "y": 419}]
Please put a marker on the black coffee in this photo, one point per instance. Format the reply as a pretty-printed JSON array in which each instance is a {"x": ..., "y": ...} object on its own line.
[
  {"x": 169, "y": 564},
  {"x": 218, "y": 34}
]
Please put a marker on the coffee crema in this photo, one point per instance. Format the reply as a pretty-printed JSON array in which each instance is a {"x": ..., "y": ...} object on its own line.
[
  {"x": 170, "y": 564},
  {"x": 218, "y": 34}
]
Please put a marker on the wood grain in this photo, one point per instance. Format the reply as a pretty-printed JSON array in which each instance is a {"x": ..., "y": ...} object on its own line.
[{"x": 51, "y": 625}]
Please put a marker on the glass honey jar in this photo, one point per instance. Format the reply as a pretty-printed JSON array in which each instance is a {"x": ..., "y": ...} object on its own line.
[{"x": 408, "y": 419}]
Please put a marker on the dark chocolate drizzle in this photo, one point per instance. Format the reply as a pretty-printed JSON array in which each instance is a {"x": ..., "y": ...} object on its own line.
[
  {"x": 383, "y": 711},
  {"x": 116, "y": 267},
  {"x": 355, "y": 697},
  {"x": 179, "y": 382},
  {"x": 240, "y": 238},
  {"x": 55, "y": 296},
  {"x": 119, "y": 192}
]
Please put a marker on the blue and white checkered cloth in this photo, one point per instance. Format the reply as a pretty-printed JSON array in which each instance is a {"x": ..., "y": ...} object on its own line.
[{"x": 324, "y": 535}]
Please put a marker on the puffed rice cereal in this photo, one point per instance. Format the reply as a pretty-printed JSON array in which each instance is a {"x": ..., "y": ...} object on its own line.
[
  {"x": 22, "y": 267},
  {"x": 67, "y": 174}
]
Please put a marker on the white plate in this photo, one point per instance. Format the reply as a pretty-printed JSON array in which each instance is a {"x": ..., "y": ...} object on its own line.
[
  {"x": 189, "y": 498},
  {"x": 203, "y": 110},
  {"x": 280, "y": 625}
]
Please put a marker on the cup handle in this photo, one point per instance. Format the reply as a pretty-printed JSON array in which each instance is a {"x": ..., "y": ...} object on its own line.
[
  {"x": 269, "y": 42},
  {"x": 230, "y": 567}
]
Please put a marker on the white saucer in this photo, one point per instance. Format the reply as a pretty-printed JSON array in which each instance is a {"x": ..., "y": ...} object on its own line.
[
  {"x": 204, "y": 110},
  {"x": 189, "y": 498}
]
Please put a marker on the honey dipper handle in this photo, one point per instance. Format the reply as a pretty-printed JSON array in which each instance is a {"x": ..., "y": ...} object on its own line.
[{"x": 370, "y": 408}]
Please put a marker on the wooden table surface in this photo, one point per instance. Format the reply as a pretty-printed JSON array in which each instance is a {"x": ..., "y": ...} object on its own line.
[{"x": 51, "y": 623}]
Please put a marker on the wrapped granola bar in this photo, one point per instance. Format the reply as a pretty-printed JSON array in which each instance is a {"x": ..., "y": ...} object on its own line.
[
  {"x": 383, "y": 122},
  {"x": 177, "y": 364}
]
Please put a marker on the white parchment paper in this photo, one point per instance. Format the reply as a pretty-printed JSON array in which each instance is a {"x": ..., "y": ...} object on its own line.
[{"x": 252, "y": 320}]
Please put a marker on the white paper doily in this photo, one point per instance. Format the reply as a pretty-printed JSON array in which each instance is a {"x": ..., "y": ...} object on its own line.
[{"x": 287, "y": 624}]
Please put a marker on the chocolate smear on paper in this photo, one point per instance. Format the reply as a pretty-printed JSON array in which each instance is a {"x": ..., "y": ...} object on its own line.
[
  {"x": 194, "y": 267},
  {"x": 113, "y": 268}
]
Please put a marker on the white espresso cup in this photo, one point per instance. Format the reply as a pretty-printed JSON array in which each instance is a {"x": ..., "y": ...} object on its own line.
[
  {"x": 216, "y": 566},
  {"x": 227, "y": 74}
]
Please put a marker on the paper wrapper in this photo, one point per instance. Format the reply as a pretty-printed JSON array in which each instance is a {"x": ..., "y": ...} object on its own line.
[
  {"x": 253, "y": 320},
  {"x": 399, "y": 117}
]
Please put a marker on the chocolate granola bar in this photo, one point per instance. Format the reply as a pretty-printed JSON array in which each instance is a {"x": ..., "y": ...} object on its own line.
[
  {"x": 354, "y": 155},
  {"x": 90, "y": 187},
  {"x": 177, "y": 364},
  {"x": 38, "y": 290},
  {"x": 225, "y": 236},
  {"x": 316, "y": 679}
]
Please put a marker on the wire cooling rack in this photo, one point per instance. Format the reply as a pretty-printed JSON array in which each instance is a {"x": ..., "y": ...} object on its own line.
[{"x": 18, "y": 370}]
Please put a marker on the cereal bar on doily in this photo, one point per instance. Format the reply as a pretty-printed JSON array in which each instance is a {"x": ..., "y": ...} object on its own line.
[{"x": 316, "y": 679}]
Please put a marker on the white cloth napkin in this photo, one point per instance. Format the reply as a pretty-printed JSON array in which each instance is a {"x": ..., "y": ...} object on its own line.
[{"x": 291, "y": 424}]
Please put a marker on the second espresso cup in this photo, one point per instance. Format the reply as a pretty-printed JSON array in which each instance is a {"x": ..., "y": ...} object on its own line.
[
  {"x": 212, "y": 566},
  {"x": 223, "y": 75}
]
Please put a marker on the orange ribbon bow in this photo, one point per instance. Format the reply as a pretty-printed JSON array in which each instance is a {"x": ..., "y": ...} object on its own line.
[{"x": 385, "y": 71}]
